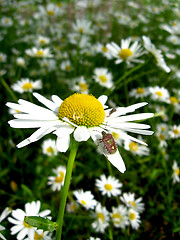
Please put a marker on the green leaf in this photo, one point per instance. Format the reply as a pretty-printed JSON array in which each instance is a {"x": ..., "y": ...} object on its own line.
[{"x": 41, "y": 223}]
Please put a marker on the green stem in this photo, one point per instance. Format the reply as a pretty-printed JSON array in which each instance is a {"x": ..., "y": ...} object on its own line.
[
  {"x": 8, "y": 89},
  {"x": 65, "y": 189}
]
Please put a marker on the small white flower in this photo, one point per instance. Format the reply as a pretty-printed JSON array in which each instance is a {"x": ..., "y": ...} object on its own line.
[
  {"x": 125, "y": 52},
  {"x": 159, "y": 93},
  {"x": 66, "y": 66},
  {"x": 129, "y": 200},
  {"x": 119, "y": 216},
  {"x": 108, "y": 186},
  {"x": 100, "y": 48},
  {"x": 6, "y": 22},
  {"x": 176, "y": 172},
  {"x": 57, "y": 181},
  {"x": 26, "y": 85},
  {"x": 174, "y": 131},
  {"x": 20, "y": 61},
  {"x": 71, "y": 207},
  {"x": 134, "y": 218},
  {"x": 3, "y": 57},
  {"x": 85, "y": 199},
  {"x": 22, "y": 228},
  {"x": 80, "y": 85},
  {"x": 139, "y": 92},
  {"x": 3, "y": 215},
  {"x": 39, "y": 52},
  {"x": 49, "y": 147},
  {"x": 103, "y": 77},
  {"x": 162, "y": 134},
  {"x": 102, "y": 219},
  {"x": 136, "y": 148},
  {"x": 41, "y": 40},
  {"x": 157, "y": 54},
  {"x": 82, "y": 26}
]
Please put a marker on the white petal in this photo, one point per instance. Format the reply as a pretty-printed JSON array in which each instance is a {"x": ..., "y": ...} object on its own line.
[
  {"x": 64, "y": 130},
  {"x": 18, "y": 123},
  {"x": 135, "y": 117},
  {"x": 103, "y": 99},
  {"x": 51, "y": 105},
  {"x": 44, "y": 213},
  {"x": 63, "y": 143},
  {"x": 22, "y": 234},
  {"x": 117, "y": 161},
  {"x": 39, "y": 117},
  {"x": 57, "y": 100},
  {"x": 81, "y": 134}
]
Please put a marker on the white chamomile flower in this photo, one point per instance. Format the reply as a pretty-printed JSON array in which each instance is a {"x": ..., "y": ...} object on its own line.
[
  {"x": 119, "y": 216},
  {"x": 103, "y": 77},
  {"x": 100, "y": 48},
  {"x": 156, "y": 53},
  {"x": 174, "y": 131},
  {"x": 82, "y": 26},
  {"x": 125, "y": 52},
  {"x": 134, "y": 218},
  {"x": 49, "y": 147},
  {"x": 176, "y": 172},
  {"x": 71, "y": 207},
  {"x": 139, "y": 92},
  {"x": 85, "y": 117},
  {"x": 66, "y": 66},
  {"x": 40, "y": 234},
  {"x": 162, "y": 134},
  {"x": 26, "y": 85},
  {"x": 109, "y": 186},
  {"x": 102, "y": 218},
  {"x": 85, "y": 199},
  {"x": 20, "y": 62},
  {"x": 6, "y": 22},
  {"x": 57, "y": 181},
  {"x": 41, "y": 40},
  {"x": 159, "y": 93},
  {"x": 129, "y": 200},
  {"x": 136, "y": 148},
  {"x": 39, "y": 52},
  {"x": 22, "y": 228},
  {"x": 3, "y": 57},
  {"x": 93, "y": 238},
  {"x": 80, "y": 85},
  {"x": 3, "y": 215}
]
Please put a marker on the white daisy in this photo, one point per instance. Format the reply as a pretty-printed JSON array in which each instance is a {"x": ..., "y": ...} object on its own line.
[
  {"x": 100, "y": 48},
  {"x": 20, "y": 62},
  {"x": 156, "y": 53},
  {"x": 134, "y": 218},
  {"x": 85, "y": 117},
  {"x": 71, "y": 207},
  {"x": 159, "y": 93},
  {"x": 49, "y": 147},
  {"x": 102, "y": 218},
  {"x": 174, "y": 131},
  {"x": 39, "y": 52},
  {"x": 129, "y": 200},
  {"x": 66, "y": 66},
  {"x": 162, "y": 134},
  {"x": 22, "y": 228},
  {"x": 103, "y": 77},
  {"x": 82, "y": 26},
  {"x": 119, "y": 216},
  {"x": 108, "y": 186},
  {"x": 136, "y": 148},
  {"x": 57, "y": 181},
  {"x": 3, "y": 57},
  {"x": 125, "y": 52},
  {"x": 3, "y": 215},
  {"x": 6, "y": 22},
  {"x": 85, "y": 199},
  {"x": 41, "y": 40},
  {"x": 80, "y": 85},
  {"x": 139, "y": 92},
  {"x": 176, "y": 172},
  {"x": 26, "y": 85}
]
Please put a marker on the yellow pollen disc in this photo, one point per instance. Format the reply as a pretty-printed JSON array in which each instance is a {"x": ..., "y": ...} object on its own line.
[
  {"x": 42, "y": 41},
  {"x": 1, "y": 58},
  {"x": 175, "y": 131},
  {"x": 26, "y": 225},
  {"x": 159, "y": 93},
  {"x": 73, "y": 207},
  {"x": 140, "y": 90},
  {"x": 60, "y": 178},
  {"x": 83, "y": 87},
  {"x": 161, "y": 137},
  {"x": 132, "y": 203},
  {"x": 68, "y": 68},
  {"x": 83, "y": 202},
  {"x": 101, "y": 216},
  {"x": 132, "y": 216},
  {"x": 83, "y": 110},
  {"x": 50, "y": 13},
  {"x": 104, "y": 49},
  {"x": 14, "y": 186},
  {"x": 125, "y": 53},
  {"x": 37, "y": 236},
  {"x": 163, "y": 128},
  {"x": 103, "y": 78},
  {"x": 39, "y": 53},
  {"x": 116, "y": 136},
  {"x": 108, "y": 187},
  {"x": 59, "y": 4},
  {"x": 173, "y": 100},
  {"x": 177, "y": 171},
  {"x": 133, "y": 146},
  {"x": 81, "y": 30},
  {"x": 116, "y": 215},
  {"x": 27, "y": 86}
]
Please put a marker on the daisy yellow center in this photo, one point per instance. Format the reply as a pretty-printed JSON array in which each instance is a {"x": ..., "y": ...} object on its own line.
[
  {"x": 116, "y": 215},
  {"x": 73, "y": 207},
  {"x": 161, "y": 137},
  {"x": 60, "y": 178},
  {"x": 159, "y": 93},
  {"x": 1, "y": 58},
  {"x": 101, "y": 216},
  {"x": 104, "y": 49},
  {"x": 27, "y": 86},
  {"x": 132, "y": 216},
  {"x": 116, "y": 136},
  {"x": 81, "y": 30},
  {"x": 59, "y": 4},
  {"x": 68, "y": 68},
  {"x": 26, "y": 225},
  {"x": 132, "y": 203},
  {"x": 108, "y": 187},
  {"x": 42, "y": 41},
  {"x": 103, "y": 78},
  {"x": 173, "y": 100},
  {"x": 125, "y": 53},
  {"x": 7, "y": 20},
  {"x": 83, "y": 110},
  {"x": 83, "y": 87},
  {"x": 163, "y": 128},
  {"x": 140, "y": 90},
  {"x": 37, "y": 236},
  {"x": 83, "y": 202},
  {"x": 40, "y": 53},
  {"x": 177, "y": 171},
  {"x": 133, "y": 146},
  {"x": 50, "y": 13},
  {"x": 175, "y": 131},
  {"x": 49, "y": 150}
]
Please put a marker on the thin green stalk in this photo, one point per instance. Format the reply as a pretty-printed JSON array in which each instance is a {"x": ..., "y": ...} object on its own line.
[
  {"x": 65, "y": 189},
  {"x": 8, "y": 89}
]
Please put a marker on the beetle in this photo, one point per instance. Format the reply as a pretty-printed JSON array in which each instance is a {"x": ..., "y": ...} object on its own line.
[{"x": 109, "y": 142}]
